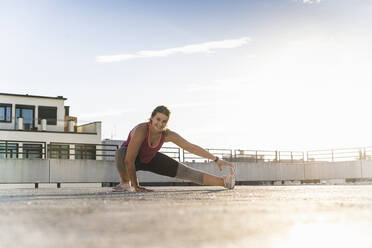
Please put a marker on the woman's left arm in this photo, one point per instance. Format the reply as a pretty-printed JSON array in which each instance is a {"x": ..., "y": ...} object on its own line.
[{"x": 194, "y": 149}]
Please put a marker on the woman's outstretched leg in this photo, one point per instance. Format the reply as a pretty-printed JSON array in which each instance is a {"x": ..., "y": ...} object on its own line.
[
  {"x": 199, "y": 177},
  {"x": 163, "y": 165}
]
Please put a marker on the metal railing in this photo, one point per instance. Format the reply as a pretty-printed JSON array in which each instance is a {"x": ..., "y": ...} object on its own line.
[
  {"x": 189, "y": 157},
  {"x": 42, "y": 150},
  {"x": 255, "y": 156},
  {"x": 23, "y": 149},
  {"x": 173, "y": 152},
  {"x": 226, "y": 154},
  {"x": 291, "y": 156},
  {"x": 268, "y": 156},
  {"x": 367, "y": 153},
  {"x": 81, "y": 151},
  {"x": 342, "y": 154}
]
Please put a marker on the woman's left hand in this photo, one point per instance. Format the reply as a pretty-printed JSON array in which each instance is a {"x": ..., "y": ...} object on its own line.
[{"x": 221, "y": 163}]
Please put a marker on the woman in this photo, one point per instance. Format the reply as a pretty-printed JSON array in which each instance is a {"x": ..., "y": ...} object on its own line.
[{"x": 141, "y": 152}]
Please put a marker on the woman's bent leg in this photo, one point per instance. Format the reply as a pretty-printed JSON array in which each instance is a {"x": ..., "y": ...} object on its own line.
[
  {"x": 120, "y": 166},
  {"x": 119, "y": 159}
]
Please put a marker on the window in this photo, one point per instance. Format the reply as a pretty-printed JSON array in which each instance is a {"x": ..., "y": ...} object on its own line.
[
  {"x": 27, "y": 112},
  {"x": 59, "y": 151},
  {"x": 5, "y": 112},
  {"x": 8, "y": 150},
  {"x": 84, "y": 151},
  {"x": 32, "y": 150},
  {"x": 48, "y": 113}
]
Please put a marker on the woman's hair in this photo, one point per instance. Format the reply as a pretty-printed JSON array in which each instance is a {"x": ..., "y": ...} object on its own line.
[{"x": 161, "y": 109}]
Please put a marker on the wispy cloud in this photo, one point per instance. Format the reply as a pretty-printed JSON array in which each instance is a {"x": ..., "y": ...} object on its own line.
[
  {"x": 206, "y": 47},
  {"x": 309, "y": 1}
]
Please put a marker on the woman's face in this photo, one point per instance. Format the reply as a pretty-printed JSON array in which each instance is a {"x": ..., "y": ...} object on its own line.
[{"x": 159, "y": 121}]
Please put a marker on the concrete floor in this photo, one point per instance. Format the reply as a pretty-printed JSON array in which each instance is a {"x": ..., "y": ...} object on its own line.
[{"x": 248, "y": 216}]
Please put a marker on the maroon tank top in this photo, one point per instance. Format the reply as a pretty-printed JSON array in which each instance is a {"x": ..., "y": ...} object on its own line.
[{"x": 146, "y": 152}]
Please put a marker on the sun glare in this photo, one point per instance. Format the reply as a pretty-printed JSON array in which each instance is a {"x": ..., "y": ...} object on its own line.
[{"x": 326, "y": 235}]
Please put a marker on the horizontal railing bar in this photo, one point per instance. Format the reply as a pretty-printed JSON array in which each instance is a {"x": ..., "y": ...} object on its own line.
[
  {"x": 18, "y": 147},
  {"x": 63, "y": 143}
]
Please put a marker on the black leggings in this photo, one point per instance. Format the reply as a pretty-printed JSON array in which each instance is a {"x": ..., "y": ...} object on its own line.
[{"x": 163, "y": 165}]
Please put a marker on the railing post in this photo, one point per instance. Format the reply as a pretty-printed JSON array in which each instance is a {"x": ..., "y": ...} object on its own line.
[
  {"x": 99, "y": 152},
  {"x": 360, "y": 154},
  {"x": 256, "y": 156},
  {"x": 303, "y": 156},
  {"x": 276, "y": 155},
  {"x": 307, "y": 156},
  {"x": 20, "y": 150},
  {"x": 291, "y": 157},
  {"x": 51, "y": 149},
  {"x": 6, "y": 149},
  {"x": 44, "y": 155},
  {"x": 332, "y": 155},
  {"x": 72, "y": 151}
]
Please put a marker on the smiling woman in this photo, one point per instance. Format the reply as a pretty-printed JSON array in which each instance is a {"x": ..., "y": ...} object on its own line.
[{"x": 141, "y": 152}]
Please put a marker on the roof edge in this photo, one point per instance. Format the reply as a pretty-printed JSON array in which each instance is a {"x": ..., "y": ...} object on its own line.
[{"x": 34, "y": 96}]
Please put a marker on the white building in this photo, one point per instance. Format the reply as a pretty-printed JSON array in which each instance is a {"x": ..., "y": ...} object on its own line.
[{"x": 40, "y": 127}]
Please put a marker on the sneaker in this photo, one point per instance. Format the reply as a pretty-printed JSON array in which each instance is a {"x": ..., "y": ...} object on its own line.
[
  {"x": 123, "y": 187},
  {"x": 229, "y": 179}
]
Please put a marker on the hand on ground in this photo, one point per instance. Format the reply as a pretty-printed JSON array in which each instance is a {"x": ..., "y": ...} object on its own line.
[
  {"x": 122, "y": 187},
  {"x": 142, "y": 189}
]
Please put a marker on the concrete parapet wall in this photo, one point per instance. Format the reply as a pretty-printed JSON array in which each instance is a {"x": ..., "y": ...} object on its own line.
[
  {"x": 367, "y": 168},
  {"x": 333, "y": 170},
  {"x": 91, "y": 171},
  {"x": 292, "y": 171},
  {"x": 81, "y": 170},
  {"x": 24, "y": 171},
  {"x": 269, "y": 171},
  {"x": 257, "y": 171}
]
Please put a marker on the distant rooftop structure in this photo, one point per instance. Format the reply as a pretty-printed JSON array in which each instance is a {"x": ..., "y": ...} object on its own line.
[
  {"x": 41, "y": 127},
  {"x": 34, "y": 96}
]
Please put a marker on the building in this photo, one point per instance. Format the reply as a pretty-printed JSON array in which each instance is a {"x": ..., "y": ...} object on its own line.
[{"x": 41, "y": 127}]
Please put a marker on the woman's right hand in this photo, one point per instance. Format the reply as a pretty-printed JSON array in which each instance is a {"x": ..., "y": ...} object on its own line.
[{"x": 221, "y": 163}]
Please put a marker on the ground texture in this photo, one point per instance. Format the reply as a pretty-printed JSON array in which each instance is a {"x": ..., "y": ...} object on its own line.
[{"x": 248, "y": 216}]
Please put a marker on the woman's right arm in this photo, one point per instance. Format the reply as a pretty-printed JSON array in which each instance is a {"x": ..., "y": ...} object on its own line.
[{"x": 138, "y": 136}]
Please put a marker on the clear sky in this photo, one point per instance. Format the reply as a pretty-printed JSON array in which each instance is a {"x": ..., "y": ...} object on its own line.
[{"x": 278, "y": 74}]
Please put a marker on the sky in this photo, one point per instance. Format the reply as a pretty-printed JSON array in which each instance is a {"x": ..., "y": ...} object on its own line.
[{"x": 267, "y": 75}]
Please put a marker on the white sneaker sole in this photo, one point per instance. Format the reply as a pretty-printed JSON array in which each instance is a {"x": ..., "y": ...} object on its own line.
[{"x": 229, "y": 179}]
